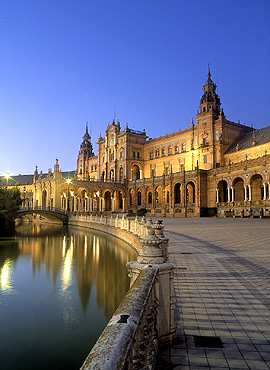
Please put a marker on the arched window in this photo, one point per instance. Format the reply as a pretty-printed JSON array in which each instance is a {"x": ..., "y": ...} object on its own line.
[
  {"x": 184, "y": 146},
  {"x": 177, "y": 149},
  {"x": 170, "y": 150},
  {"x": 151, "y": 156},
  {"x": 163, "y": 152},
  {"x": 157, "y": 153},
  {"x": 136, "y": 172},
  {"x": 139, "y": 196},
  {"x": 150, "y": 197},
  {"x": 177, "y": 193}
]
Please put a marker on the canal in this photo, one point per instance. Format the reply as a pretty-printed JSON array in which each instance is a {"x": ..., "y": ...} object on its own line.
[{"x": 59, "y": 288}]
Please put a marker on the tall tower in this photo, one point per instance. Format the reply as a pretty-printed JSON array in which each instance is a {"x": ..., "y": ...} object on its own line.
[
  {"x": 86, "y": 152},
  {"x": 209, "y": 126}
]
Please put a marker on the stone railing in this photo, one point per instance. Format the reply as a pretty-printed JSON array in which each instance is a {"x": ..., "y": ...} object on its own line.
[{"x": 145, "y": 317}]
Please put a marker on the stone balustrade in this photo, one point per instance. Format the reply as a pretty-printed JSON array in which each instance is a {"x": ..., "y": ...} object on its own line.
[{"x": 145, "y": 318}]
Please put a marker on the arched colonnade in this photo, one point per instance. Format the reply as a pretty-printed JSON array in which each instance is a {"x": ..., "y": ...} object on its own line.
[
  {"x": 175, "y": 195},
  {"x": 85, "y": 200},
  {"x": 239, "y": 189}
]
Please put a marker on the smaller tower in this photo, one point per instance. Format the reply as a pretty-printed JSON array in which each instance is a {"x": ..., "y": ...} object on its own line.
[
  {"x": 86, "y": 152},
  {"x": 210, "y": 101}
]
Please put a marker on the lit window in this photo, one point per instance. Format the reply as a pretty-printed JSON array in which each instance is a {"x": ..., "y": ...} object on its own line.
[{"x": 205, "y": 158}]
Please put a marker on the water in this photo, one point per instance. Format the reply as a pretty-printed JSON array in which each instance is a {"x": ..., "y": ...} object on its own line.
[{"x": 58, "y": 289}]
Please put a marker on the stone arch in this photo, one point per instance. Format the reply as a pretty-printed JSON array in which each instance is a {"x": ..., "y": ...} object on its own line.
[
  {"x": 136, "y": 173},
  {"x": 44, "y": 198},
  {"x": 121, "y": 174},
  {"x": 158, "y": 194},
  {"x": 190, "y": 192},
  {"x": 256, "y": 182},
  {"x": 139, "y": 197},
  {"x": 149, "y": 195},
  {"x": 82, "y": 200},
  {"x": 95, "y": 195},
  {"x": 238, "y": 187},
  {"x": 222, "y": 188},
  {"x": 118, "y": 196},
  {"x": 177, "y": 193},
  {"x": 131, "y": 197},
  {"x": 107, "y": 200},
  {"x": 112, "y": 175}
]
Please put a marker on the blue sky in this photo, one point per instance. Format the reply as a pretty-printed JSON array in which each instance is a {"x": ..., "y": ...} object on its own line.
[{"x": 65, "y": 63}]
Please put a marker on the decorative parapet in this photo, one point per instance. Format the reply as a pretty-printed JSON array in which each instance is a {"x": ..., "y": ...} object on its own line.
[
  {"x": 136, "y": 227},
  {"x": 129, "y": 341},
  {"x": 145, "y": 317}
]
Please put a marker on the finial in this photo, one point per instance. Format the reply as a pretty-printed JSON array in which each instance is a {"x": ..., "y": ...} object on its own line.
[
  {"x": 208, "y": 74},
  {"x": 86, "y": 129}
]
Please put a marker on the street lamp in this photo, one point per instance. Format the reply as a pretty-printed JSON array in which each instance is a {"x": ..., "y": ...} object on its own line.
[
  {"x": 7, "y": 177},
  {"x": 68, "y": 182}
]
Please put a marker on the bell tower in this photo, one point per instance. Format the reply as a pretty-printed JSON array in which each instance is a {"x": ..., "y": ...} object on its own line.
[{"x": 210, "y": 101}]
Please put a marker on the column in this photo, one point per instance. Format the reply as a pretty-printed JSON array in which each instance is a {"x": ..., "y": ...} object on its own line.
[
  {"x": 245, "y": 193},
  {"x": 141, "y": 174},
  {"x": 249, "y": 192},
  {"x": 112, "y": 203},
  {"x": 229, "y": 193},
  {"x": 100, "y": 204},
  {"x": 268, "y": 191},
  {"x": 264, "y": 191},
  {"x": 91, "y": 204},
  {"x": 75, "y": 204},
  {"x": 232, "y": 194},
  {"x": 124, "y": 204},
  {"x": 216, "y": 195},
  {"x": 88, "y": 204}
]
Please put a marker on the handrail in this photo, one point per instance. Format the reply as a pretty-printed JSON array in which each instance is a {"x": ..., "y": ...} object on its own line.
[{"x": 117, "y": 348}]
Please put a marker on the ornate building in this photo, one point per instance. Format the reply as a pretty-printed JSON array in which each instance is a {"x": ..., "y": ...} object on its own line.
[{"x": 214, "y": 167}]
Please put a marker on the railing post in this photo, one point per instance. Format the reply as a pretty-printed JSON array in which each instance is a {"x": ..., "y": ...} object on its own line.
[{"x": 151, "y": 254}]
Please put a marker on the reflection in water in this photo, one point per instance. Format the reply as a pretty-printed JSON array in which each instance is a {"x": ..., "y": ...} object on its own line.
[
  {"x": 67, "y": 255},
  {"x": 68, "y": 283},
  {"x": 5, "y": 276},
  {"x": 96, "y": 260}
]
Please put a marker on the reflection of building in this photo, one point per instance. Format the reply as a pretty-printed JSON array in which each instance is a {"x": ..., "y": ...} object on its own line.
[
  {"x": 214, "y": 165},
  {"x": 94, "y": 260}
]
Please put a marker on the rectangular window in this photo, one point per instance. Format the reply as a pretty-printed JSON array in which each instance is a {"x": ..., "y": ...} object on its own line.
[
  {"x": 204, "y": 141},
  {"x": 205, "y": 158},
  {"x": 217, "y": 135}
]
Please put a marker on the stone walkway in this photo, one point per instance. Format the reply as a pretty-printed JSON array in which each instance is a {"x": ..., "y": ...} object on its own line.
[{"x": 222, "y": 286}]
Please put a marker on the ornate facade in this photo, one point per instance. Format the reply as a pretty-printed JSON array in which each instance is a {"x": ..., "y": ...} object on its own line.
[{"x": 214, "y": 167}]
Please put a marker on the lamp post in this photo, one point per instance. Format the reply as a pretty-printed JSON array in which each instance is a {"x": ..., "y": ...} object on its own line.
[{"x": 68, "y": 182}]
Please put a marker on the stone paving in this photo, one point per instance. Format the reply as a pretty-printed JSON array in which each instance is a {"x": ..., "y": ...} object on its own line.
[{"x": 222, "y": 286}]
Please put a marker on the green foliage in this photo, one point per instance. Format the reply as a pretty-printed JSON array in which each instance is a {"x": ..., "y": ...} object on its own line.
[{"x": 10, "y": 202}]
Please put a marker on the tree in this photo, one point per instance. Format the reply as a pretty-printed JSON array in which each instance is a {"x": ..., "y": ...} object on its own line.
[{"x": 10, "y": 201}]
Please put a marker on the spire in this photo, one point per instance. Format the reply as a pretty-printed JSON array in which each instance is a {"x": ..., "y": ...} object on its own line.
[{"x": 209, "y": 74}]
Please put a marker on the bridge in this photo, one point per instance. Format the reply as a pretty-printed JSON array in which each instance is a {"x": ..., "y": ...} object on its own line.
[{"x": 48, "y": 212}]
